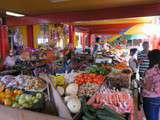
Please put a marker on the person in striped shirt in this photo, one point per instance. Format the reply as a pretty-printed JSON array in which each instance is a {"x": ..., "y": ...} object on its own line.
[
  {"x": 143, "y": 59},
  {"x": 143, "y": 63}
]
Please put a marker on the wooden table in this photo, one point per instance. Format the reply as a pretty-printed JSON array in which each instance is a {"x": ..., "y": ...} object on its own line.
[{"x": 7, "y": 113}]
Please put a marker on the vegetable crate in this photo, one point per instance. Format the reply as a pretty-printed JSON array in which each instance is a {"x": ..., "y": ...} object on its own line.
[{"x": 119, "y": 81}]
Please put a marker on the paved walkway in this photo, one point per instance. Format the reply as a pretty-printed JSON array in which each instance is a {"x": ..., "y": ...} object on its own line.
[{"x": 138, "y": 115}]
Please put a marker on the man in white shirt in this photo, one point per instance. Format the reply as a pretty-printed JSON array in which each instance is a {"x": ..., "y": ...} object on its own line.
[{"x": 133, "y": 64}]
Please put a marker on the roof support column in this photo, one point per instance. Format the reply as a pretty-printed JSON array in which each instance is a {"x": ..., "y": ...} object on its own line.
[{"x": 30, "y": 36}]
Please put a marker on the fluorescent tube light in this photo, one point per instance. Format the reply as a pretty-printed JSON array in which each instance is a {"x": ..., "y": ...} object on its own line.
[
  {"x": 57, "y": 1},
  {"x": 14, "y": 14}
]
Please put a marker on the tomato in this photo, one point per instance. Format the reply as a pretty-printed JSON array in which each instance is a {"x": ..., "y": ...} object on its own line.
[{"x": 90, "y": 78}]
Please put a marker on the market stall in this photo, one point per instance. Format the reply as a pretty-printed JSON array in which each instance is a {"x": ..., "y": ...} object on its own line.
[
  {"x": 57, "y": 82},
  {"x": 28, "y": 95},
  {"x": 92, "y": 83}
]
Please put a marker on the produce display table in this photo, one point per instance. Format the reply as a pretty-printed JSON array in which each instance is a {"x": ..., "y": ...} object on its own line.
[
  {"x": 7, "y": 113},
  {"x": 51, "y": 107},
  {"x": 9, "y": 72},
  {"x": 62, "y": 110},
  {"x": 103, "y": 60}
]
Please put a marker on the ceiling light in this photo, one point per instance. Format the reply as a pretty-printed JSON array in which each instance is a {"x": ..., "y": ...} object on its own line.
[
  {"x": 14, "y": 14},
  {"x": 57, "y": 1}
]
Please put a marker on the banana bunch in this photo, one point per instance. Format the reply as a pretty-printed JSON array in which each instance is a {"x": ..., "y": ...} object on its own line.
[{"x": 59, "y": 80}]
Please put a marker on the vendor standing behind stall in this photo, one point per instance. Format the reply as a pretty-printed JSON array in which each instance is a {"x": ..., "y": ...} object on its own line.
[
  {"x": 97, "y": 46},
  {"x": 10, "y": 60},
  {"x": 68, "y": 64}
]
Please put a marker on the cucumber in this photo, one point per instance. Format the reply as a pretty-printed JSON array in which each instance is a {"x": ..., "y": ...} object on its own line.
[
  {"x": 91, "y": 109},
  {"x": 85, "y": 118},
  {"x": 90, "y": 116},
  {"x": 102, "y": 112},
  {"x": 111, "y": 118},
  {"x": 113, "y": 113},
  {"x": 83, "y": 103},
  {"x": 102, "y": 117},
  {"x": 85, "y": 110}
]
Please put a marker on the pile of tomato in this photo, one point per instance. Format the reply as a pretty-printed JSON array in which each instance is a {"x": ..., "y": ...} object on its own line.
[{"x": 89, "y": 78}]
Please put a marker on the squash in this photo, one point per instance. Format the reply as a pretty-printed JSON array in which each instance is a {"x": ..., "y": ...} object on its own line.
[
  {"x": 72, "y": 89},
  {"x": 67, "y": 98},
  {"x": 74, "y": 105}
]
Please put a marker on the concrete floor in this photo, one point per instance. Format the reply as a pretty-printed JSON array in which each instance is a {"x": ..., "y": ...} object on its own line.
[{"x": 138, "y": 115}]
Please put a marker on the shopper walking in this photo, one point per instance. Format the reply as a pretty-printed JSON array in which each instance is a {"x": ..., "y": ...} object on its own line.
[{"x": 151, "y": 91}]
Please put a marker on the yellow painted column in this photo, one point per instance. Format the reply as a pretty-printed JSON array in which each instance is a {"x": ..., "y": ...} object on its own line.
[
  {"x": 66, "y": 40},
  {"x": 36, "y": 32},
  {"x": 23, "y": 31},
  {"x": 75, "y": 41}
]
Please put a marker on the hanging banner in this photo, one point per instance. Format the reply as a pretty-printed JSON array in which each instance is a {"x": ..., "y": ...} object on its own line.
[{"x": 30, "y": 38}]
